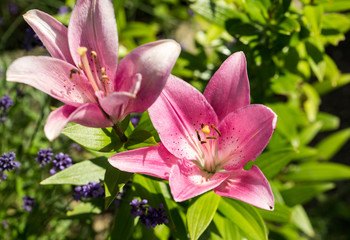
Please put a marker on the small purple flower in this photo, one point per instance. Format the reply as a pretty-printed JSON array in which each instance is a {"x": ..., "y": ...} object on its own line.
[
  {"x": 31, "y": 40},
  {"x": 7, "y": 162},
  {"x": 149, "y": 216},
  {"x": 5, "y": 103},
  {"x": 28, "y": 203},
  {"x": 90, "y": 190},
  {"x": 44, "y": 156},
  {"x": 13, "y": 8},
  {"x": 135, "y": 120},
  {"x": 63, "y": 10},
  {"x": 61, "y": 161}
]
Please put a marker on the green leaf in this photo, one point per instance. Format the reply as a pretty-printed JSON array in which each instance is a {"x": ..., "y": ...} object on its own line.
[
  {"x": 145, "y": 123},
  {"x": 288, "y": 26},
  {"x": 327, "y": 86},
  {"x": 301, "y": 220},
  {"x": 149, "y": 189},
  {"x": 139, "y": 139},
  {"x": 303, "y": 193},
  {"x": 244, "y": 217},
  {"x": 314, "y": 16},
  {"x": 84, "y": 208},
  {"x": 272, "y": 162},
  {"x": 316, "y": 60},
  {"x": 329, "y": 146},
  {"x": 318, "y": 172},
  {"x": 236, "y": 26},
  {"x": 124, "y": 223},
  {"x": 309, "y": 132},
  {"x": 80, "y": 173},
  {"x": 201, "y": 213},
  {"x": 216, "y": 13},
  {"x": 334, "y": 5},
  {"x": 114, "y": 180},
  {"x": 281, "y": 214},
  {"x": 329, "y": 121},
  {"x": 97, "y": 139},
  {"x": 227, "y": 229},
  {"x": 312, "y": 102}
]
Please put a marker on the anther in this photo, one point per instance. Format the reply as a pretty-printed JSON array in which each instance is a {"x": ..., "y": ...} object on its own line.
[
  {"x": 202, "y": 125},
  {"x": 213, "y": 127},
  {"x": 210, "y": 137},
  {"x": 206, "y": 129},
  {"x": 85, "y": 63},
  {"x": 80, "y": 65},
  {"x": 198, "y": 136},
  {"x": 73, "y": 71},
  {"x": 94, "y": 54},
  {"x": 202, "y": 142}
]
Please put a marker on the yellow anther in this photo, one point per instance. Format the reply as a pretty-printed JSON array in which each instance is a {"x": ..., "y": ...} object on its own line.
[
  {"x": 80, "y": 65},
  {"x": 94, "y": 54},
  {"x": 217, "y": 130},
  {"x": 82, "y": 51},
  {"x": 103, "y": 71},
  {"x": 206, "y": 129}
]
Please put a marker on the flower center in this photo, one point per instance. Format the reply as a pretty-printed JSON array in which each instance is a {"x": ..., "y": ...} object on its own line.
[
  {"x": 207, "y": 136},
  {"x": 95, "y": 73}
]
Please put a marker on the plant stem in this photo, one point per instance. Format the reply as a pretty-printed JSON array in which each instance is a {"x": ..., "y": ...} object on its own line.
[{"x": 120, "y": 133}]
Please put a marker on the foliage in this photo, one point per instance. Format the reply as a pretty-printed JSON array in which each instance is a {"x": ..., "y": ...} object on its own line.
[{"x": 289, "y": 71}]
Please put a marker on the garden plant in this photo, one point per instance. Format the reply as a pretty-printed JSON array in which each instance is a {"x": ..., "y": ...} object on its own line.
[{"x": 173, "y": 119}]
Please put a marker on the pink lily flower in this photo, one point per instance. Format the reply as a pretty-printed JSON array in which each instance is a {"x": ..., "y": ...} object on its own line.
[
  {"x": 84, "y": 73},
  {"x": 207, "y": 139}
]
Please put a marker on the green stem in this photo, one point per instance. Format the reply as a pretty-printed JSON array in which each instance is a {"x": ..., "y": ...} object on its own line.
[{"x": 120, "y": 133}]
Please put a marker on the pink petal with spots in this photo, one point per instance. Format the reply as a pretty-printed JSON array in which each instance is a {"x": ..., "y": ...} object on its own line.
[
  {"x": 248, "y": 186},
  {"x": 51, "y": 32},
  {"x": 89, "y": 115},
  {"x": 92, "y": 25},
  {"x": 228, "y": 89},
  {"x": 177, "y": 114},
  {"x": 245, "y": 134},
  {"x": 51, "y": 76},
  {"x": 187, "y": 180},
  {"x": 155, "y": 161}
]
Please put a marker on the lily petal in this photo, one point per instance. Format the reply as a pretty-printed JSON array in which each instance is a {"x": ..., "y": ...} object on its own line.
[
  {"x": 89, "y": 115},
  {"x": 187, "y": 181},
  {"x": 177, "y": 114},
  {"x": 245, "y": 134},
  {"x": 248, "y": 186},
  {"x": 228, "y": 89},
  {"x": 51, "y": 32},
  {"x": 155, "y": 161},
  {"x": 154, "y": 61},
  {"x": 51, "y": 76},
  {"x": 92, "y": 25}
]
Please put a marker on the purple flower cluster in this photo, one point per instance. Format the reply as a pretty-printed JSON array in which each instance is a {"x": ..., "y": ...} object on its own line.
[
  {"x": 44, "y": 156},
  {"x": 150, "y": 217},
  {"x": 5, "y": 103},
  {"x": 61, "y": 161},
  {"x": 90, "y": 190},
  {"x": 7, "y": 163},
  {"x": 31, "y": 40},
  {"x": 28, "y": 203},
  {"x": 135, "y": 120}
]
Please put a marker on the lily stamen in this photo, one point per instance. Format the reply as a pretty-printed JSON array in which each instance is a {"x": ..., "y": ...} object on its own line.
[
  {"x": 217, "y": 130},
  {"x": 85, "y": 63}
]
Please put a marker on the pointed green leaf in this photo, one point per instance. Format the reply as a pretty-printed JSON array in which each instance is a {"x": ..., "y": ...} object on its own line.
[
  {"x": 309, "y": 132},
  {"x": 97, "y": 139},
  {"x": 318, "y": 172},
  {"x": 329, "y": 121},
  {"x": 303, "y": 193},
  {"x": 114, "y": 180},
  {"x": 328, "y": 147},
  {"x": 301, "y": 220},
  {"x": 200, "y": 214},
  {"x": 84, "y": 208},
  {"x": 80, "y": 173},
  {"x": 244, "y": 217},
  {"x": 227, "y": 229},
  {"x": 140, "y": 139},
  {"x": 281, "y": 214}
]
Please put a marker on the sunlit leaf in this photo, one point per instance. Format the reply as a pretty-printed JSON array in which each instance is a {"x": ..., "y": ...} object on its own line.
[
  {"x": 329, "y": 146},
  {"x": 201, "y": 213},
  {"x": 80, "y": 173}
]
